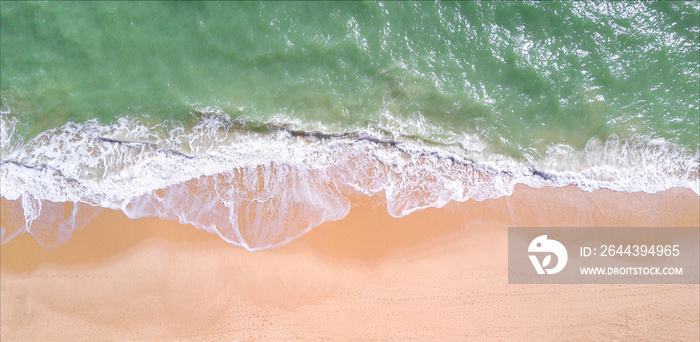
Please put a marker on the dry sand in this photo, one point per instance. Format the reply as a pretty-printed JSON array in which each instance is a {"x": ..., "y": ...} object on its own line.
[{"x": 438, "y": 274}]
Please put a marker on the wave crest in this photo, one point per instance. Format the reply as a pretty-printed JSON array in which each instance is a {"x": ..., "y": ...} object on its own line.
[{"x": 259, "y": 185}]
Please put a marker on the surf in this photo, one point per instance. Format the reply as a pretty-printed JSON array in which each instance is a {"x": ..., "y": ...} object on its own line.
[{"x": 263, "y": 184}]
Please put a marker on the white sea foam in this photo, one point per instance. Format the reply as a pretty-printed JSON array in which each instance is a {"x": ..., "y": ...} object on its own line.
[{"x": 262, "y": 189}]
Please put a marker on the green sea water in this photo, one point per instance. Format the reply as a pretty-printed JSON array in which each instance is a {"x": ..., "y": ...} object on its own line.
[
  {"x": 518, "y": 75},
  {"x": 258, "y": 121}
]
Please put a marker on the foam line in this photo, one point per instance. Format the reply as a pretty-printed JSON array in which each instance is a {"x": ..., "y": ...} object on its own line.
[{"x": 259, "y": 185}]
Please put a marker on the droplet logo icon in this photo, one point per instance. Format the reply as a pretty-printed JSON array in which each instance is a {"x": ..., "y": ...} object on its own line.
[{"x": 543, "y": 245}]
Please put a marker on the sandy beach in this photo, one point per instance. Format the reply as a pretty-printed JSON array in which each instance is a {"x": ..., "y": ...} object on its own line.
[
  {"x": 437, "y": 274},
  {"x": 349, "y": 171}
]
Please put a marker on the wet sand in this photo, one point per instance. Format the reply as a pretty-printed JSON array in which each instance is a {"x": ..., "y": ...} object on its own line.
[{"x": 437, "y": 274}]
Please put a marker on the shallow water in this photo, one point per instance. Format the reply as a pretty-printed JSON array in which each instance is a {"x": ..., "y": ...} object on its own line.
[{"x": 277, "y": 110}]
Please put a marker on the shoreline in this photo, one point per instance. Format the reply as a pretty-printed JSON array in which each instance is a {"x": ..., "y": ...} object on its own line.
[{"x": 439, "y": 273}]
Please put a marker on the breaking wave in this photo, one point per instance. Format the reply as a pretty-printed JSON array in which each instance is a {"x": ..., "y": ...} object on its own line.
[{"x": 264, "y": 184}]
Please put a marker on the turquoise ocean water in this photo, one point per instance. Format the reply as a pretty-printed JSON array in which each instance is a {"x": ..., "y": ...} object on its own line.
[{"x": 258, "y": 121}]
